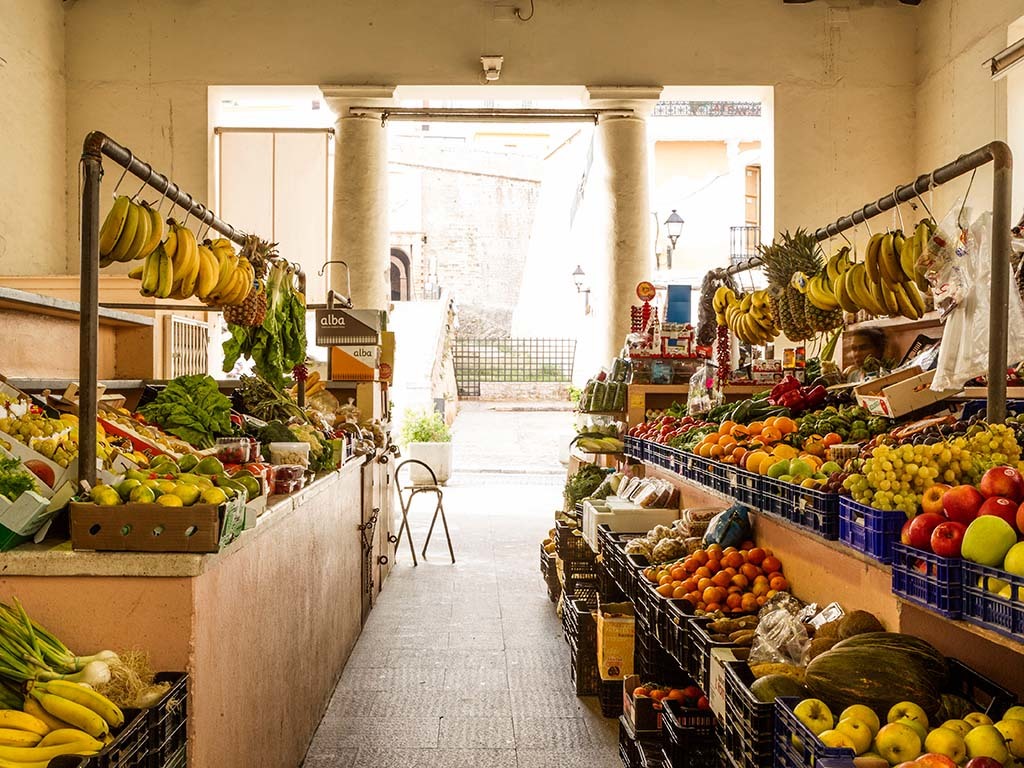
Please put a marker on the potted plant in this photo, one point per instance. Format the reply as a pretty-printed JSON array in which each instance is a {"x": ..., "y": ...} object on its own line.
[{"x": 426, "y": 437}]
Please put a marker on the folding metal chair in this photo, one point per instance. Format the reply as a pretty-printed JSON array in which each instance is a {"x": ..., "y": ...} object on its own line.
[{"x": 405, "y": 497}]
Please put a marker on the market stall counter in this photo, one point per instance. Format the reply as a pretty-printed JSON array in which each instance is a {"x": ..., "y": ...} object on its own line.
[{"x": 264, "y": 626}]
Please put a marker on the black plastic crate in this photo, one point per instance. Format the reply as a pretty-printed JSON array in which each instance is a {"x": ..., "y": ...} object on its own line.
[
  {"x": 691, "y": 738},
  {"x": 647, "y": 604},
  {"x": 570, "y": 544},
  {"x": 130, "y": 748},
  {"x": 583, "y": 647},
  {"x": 795, "y": 744},
  {"x": 580, "y": 579},
  {"x": 749, "y": 723},
  {"x": 869, "y": 530},
  {"x": 813, "y": 509},
  {"x": 638, "y": 751},
  {"x": 928, "y": 580},
  {"x": 986, "y": 695},
  {"x": 609, "y": 694},
  {"x": 677, "y": 622},
  {"x": 698, "y": 655},
  {"x": 989, "y": 610},
  {"x": 770, "y": 497},
  {"x": 168, "y": 737}
]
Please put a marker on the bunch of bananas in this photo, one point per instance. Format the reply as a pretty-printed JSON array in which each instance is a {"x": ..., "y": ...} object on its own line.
[
  {"x": 180, "y": 267},
  {"x": 130, "y": 231},
  {"x": 314, "y": 386},
  {"x": 820, "y": 289},
  {"x": 749, "y": 317},
  {"x": 887, "y": 282}
]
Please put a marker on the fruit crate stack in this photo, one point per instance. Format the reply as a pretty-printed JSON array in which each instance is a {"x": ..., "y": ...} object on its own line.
[
  {"x": 581, "y": 634},
  {"x": 699, "y": 647},
  {"x": 677, "y": 623},
  {"x": 868, "y": 530},
  {"x": 993, "y": 599},
  {"x": 812, "y": 509},
  {"x": 749, "y": 723},
  {"x": 639, "y": 750},
  {"x": 928, "y": 580},
  {"x": 577, "y": 562},
  {"x": 612, "y": 548},
  {"x": 691, "y": 738},
  {"x": 549, "y": 571}
]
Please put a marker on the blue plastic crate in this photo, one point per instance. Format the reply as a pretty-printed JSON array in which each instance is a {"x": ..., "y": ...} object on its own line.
[
  {"x": 987, "y": 609},
  {"x": 810, "y": 508},
  {"x": 806, "y": 749},
  {"x": 770, "y": 498},
  {"x": 976, "y": 407},
  {"x": 629, "y": 447},
  {"x": 928, "y": 580},
  {"x": 869, "y": 530}
]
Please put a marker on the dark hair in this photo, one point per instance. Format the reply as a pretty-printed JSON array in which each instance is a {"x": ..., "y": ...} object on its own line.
[{"x": 876, "y": 337}]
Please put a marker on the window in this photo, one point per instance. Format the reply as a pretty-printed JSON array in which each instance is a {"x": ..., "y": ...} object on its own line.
[{"x": 753, "y": 196}]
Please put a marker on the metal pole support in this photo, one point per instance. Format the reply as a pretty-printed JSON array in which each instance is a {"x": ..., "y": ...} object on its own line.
[
  {"x": 88, "y": 342},
  {"x": 999, "y": 297}
]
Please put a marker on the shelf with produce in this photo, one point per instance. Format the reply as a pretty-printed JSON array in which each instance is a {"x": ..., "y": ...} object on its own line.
[{"x": 643, "y": 397}]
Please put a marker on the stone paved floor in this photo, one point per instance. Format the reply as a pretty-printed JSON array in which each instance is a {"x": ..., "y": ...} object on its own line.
[
  {"x": 464, "y": 665},
  {"x": 490, "y": 438}
]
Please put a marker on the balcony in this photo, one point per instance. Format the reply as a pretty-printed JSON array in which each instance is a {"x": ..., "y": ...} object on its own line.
[{"x": 743, "y": 243}]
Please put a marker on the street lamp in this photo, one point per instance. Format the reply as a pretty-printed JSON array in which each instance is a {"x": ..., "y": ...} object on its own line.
[
  {"x": 674, "y": 228},
  {"x": 578, "y": 277}
]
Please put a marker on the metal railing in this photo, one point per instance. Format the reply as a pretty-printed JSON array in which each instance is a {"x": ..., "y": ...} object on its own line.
[
  {"x": 479, "y": 360},
  {"x": 743, "y": 242}
]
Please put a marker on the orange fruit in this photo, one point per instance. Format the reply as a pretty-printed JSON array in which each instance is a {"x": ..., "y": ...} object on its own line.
[
  {"x": 832, "y": 438},
  {"x": 678, "y": 573},
  {"x": 704, "y": 450},
  {"x": 770, "y": 421},
  {"x": 726, "y": 427},
  {"x": 716, "y": 451},
  {"x": 721, "y": 579},
  {"x": 679, "y": 593},
  {"x": 665, "y": 590},
  {"x": 739, "y": 431},
  {"x": 726, "y": 440},
  {"x": 771, "y": 563},
  {"x": 785, "y": 425},
  {"x": 755, "y": 427},
  {"x": 666, "y": 579},
  {"x": 779, "y": 584},
  {"x": 771, "y": 434}
]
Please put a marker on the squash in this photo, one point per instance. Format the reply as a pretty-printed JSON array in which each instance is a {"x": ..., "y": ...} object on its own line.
[
  {"x": 877, "y": 676},
  {"x": 767, "y": 689},
  {"x": 924, "y": 651}
]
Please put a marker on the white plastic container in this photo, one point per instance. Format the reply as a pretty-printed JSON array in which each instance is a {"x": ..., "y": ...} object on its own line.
[{"x": 289, "y": 453}]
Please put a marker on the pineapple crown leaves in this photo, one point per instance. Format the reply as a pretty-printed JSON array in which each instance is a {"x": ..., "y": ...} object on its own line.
[{"x": 788, "y": 254}]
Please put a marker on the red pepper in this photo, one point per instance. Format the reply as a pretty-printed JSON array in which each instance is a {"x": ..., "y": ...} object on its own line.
[
  {"x": 815, "y": 396},
  {"x": 788, "y": 384},
  {"x": 794, "y": 400}
]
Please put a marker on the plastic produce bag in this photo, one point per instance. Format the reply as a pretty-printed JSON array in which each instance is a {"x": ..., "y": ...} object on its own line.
[
  {"x": 702, "y": 396},
  {"x": 965, "y": 340},
  {"x": 781, "y": 636},
  {"x": 729, "y": 528}
]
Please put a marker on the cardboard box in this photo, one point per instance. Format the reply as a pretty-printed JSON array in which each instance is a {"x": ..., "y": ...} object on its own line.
[
  {"x": 716, "y": 676},
  {"x": 900, "y": 393},
  {"x": 336, "y": 327},
  {"x": 156, "y": 528},
  {"x": 387, "y": 357},
  {"x": 23, "y": 518},
  {"x": 615, "y": 636},
  {"x": 640, "y": 713},
  {"x": 766, "y": 371},
  {"x": 354, "y": 363}
]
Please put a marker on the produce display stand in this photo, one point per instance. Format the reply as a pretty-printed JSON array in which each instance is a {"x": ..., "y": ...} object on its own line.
[{"x": 642, "y": 397}]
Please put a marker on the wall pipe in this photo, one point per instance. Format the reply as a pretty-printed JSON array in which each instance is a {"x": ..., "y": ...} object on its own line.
[
  {"x": 999, "y": 154},
  {"x": 94, "y": 148}
]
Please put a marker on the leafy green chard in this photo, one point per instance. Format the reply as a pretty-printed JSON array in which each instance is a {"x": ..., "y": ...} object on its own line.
[
  {"x": 14, "y": 480},
  {"x": 192, "y": 408},
  {"x": 279, "y": 344}
]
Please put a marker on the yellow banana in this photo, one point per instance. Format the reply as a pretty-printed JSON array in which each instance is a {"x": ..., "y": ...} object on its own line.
[
  {"x": 846, "y": 301},
  {"x": 116, "y": 218},
  {"x": 227, "y": 273},
  {"x": 908, "y": 257},
  {"x": 883, "y": 293},
  {"x": 124, "y": 240},
  {"x": 72, "y": 713},
  {"x": 903, "y": 300},
  {"x": 32, "y": 708},
  {"x": 171, "y": 243},
  {"x": 819, "y": 295},
  {"x": 871, "y": 257},
  {"x": 166, "y": 271},
  {"x": 39, "y": 757},
  {"x": 136, "y": 272},
  {"x": 141, "y": 234},
  {"x": 69, "y": 736},
  {"x": 916, "y": 299},
  {"x": 719, "y": 302},
  {"x": 888, "y": 261},
  {"x": 209, "y": 271},
  {"x": 87, "y": 697},
  {"x": 9, "y": 737},
  {"x": 861, "y": 290},
  {"x": 156, "y": 232},
  {"x": 151, "y": 272},
  {"x": 23, "y": 721}
]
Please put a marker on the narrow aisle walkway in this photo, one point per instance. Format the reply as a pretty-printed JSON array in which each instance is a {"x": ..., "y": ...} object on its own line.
[{"x": 464, "y": 665}]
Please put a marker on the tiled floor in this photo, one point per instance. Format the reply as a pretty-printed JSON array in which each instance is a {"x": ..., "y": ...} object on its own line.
[{"x": 464, "y": 665}]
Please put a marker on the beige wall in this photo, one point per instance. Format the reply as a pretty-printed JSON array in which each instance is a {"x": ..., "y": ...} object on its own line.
[
  {"x": 33, "y": 139},
  {"x": 140, "y": 70},
  {"x": 958, "y": 106}
]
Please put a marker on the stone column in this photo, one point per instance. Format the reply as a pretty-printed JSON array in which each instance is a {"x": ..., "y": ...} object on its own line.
[
  {"x": 627, "y": 255},
  {"x": 359, "y": 234}
]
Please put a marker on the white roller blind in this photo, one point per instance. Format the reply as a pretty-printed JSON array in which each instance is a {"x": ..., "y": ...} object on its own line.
[{"x": 277, "y": 183}]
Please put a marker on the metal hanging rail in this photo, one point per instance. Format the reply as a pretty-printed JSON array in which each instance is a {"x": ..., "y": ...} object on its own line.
[
  {"x": 997, "y": 153},
  {"x": 94, "y": 148}
]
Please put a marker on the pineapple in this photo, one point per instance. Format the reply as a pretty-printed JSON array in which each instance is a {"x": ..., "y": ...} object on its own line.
[
  {"x": 253, "y": 310},
  {"x": 799, "y": 252}
]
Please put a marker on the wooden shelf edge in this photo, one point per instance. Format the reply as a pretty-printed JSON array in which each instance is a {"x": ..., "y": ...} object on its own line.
[
  {"x": 985, "y": 634},
  {"x": 929, "y": 320}
]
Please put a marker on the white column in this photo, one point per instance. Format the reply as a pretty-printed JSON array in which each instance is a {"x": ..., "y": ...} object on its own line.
[
  {"x": 627, "y": 256},
  {"x": 359, "y": 234}
]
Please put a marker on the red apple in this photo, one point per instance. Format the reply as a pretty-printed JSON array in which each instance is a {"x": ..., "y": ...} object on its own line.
[
  {"x": 1003, "y": 481},
  {"x": 962, "y": 503},
  {"x": 1020, "y": 517},
  {"x": 905, "y": 532},
  {"x": 983, "y": 762},
  {"x": 931, "y": 500},
  {"x": 934, "y": 760},
  {"x": 1000, "y": 507},
  {"x": 921, "y": 527},
  {"x": 42, "y": 470},
  {"x": 947, "y": 538}
]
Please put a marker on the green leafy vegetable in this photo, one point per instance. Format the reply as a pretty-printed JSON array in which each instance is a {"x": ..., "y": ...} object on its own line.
[
  {"x": 14, "y": 480},
  {"x": 279, "y": 344},
  {"x": 192, "y": 408}
]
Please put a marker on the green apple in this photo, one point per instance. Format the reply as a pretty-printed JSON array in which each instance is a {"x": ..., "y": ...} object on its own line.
[
  {"x": 189, "y": 494},
  {"x": 143, "y": 494},
  {"x": 921, "y": 731},
  {"x": 800, "y": 468},
  {"x": 837, "y": 739},
  {"x": 898, "y": 743},
  {"x": 211, "y": 465},
  {"x": 958, "y": 726},
  {"x": 987, "y": 540},
  {"x": 910, "y": 711},
  {"x": 166, "y": 486},
  {"x": 815, "y": 714},
  {"x": 1013, "y": 732},
  {"x": 858, "y": 732},
  {"x": 974, "y": 719},
  {"x": 830, "y": 468},
  {"x": 863, "y": 713},
  {"x": 987, "y": 741},
  {"x": 125, "y": 487},
  {"x": 1014, "y": 713},
  {"x": 214, "y": 496},
  {"x": 1014, "y": 560},
  {"x": 188, "y": 462},
  {"x": 946, "y": 741},
  {"x": 778, "y": 469}
]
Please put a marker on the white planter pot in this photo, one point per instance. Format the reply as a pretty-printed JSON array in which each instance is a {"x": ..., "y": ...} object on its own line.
[{"x": 438, "y": 456}]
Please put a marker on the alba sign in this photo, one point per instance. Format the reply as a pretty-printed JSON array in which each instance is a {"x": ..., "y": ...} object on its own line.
[{"x": 347, "y": 327}]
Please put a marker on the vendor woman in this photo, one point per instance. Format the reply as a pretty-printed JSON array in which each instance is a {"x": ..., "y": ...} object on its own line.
[{"x": 867, "y": 351}]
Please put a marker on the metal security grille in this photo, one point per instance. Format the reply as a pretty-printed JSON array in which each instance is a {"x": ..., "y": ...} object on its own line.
[
  {"x": 743, "y": 242},
  {"x": 516, "y": 360},
  {"x": 188, "y": 346}
]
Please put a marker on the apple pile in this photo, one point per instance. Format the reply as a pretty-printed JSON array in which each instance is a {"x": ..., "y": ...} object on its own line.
[
  {"x": 907, "y": 738},
  {"x": 690, "y": 697},
  {"x": 666, "y": 427},
  {"x": 980, "y": 524},
  {"x": 729, "y": 580}
]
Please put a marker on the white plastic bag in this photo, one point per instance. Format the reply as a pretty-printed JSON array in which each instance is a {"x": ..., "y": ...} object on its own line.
[{"x": 965, "y": 340}]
